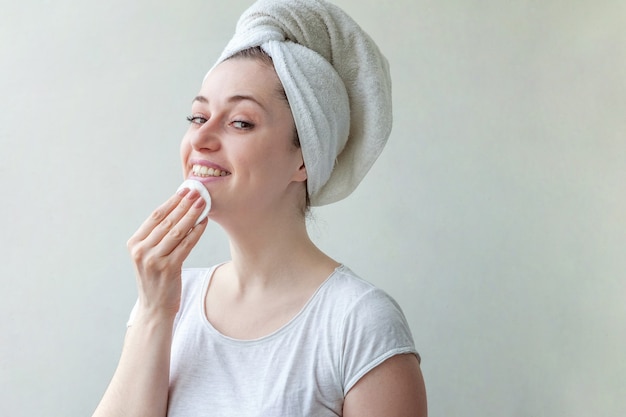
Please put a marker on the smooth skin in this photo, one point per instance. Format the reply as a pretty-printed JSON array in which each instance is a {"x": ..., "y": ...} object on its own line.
[
  {"x": 240, "y": 124},
  {"x": 394, "y": 388}
]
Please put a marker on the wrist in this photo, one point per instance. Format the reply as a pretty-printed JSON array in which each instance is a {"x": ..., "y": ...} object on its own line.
[{"x": 142, "y": 316}]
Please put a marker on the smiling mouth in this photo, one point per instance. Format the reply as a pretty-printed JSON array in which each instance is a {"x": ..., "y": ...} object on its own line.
[{"x": 204, "y": 171}]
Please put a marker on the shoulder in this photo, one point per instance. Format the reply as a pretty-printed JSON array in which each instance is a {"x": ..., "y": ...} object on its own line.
[
  {"x": 193, "y": 279},
  {"x": 362, "y": 301},
  {"x": 351, "y": 288},
  {"x": 372, "y": 327},
  {"x": 191, "y": 276},
  {"x": 193, "y": 283},
  {"x": 381, "y": 368}
]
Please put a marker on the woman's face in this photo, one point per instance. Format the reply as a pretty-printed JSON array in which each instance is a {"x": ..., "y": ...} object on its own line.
[{"x": 240, "y": 141}]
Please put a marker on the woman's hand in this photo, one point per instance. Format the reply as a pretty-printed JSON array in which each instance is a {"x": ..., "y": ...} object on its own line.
[{"x": 158, "y": 249}]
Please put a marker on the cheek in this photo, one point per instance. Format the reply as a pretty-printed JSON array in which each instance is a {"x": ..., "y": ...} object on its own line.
[{"x": 185, "y": 151}]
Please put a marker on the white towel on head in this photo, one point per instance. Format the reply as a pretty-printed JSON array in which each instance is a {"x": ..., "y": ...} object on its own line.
[{"x": 337, "y": 83}]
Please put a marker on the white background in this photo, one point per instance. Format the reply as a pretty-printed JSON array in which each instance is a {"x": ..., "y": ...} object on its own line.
[{"x": 496, "y": 216}]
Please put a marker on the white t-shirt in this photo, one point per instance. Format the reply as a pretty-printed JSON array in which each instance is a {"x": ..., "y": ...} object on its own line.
[{"x": 305, "y": 368}]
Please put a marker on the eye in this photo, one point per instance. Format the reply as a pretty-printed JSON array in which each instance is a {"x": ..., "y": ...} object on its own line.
[
  {"x": 243, "y": 125},
  {"x": 197, "y": 120}
]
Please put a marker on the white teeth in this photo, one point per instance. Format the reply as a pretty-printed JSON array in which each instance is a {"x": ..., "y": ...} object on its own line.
[{"x": 204, "y": 171}]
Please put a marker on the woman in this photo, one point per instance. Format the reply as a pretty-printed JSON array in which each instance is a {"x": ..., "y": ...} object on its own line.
[{"x": 282, "y": 329}]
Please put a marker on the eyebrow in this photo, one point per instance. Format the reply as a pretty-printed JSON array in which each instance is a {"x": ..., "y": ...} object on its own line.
[
  {"x": 232, "y": 99},
  {"x": 201, "y": 99}
]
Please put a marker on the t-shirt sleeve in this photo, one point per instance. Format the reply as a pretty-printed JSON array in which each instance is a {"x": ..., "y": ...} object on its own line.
[{"x": 374, "y": 330}]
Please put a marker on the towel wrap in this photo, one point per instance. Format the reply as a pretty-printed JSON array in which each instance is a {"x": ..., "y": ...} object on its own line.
[{"x": 336, "y": 80}]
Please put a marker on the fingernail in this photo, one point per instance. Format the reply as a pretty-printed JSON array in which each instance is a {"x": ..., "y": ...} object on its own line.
[
  {"x": 200, "y": 203},
  {"x": 182, "y": 192},
  {"x": 193, "y": 195}
]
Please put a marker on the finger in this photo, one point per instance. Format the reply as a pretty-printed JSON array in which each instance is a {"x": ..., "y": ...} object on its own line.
[
  {"x": 182, "y": 250},
  {"x": 181, "y": 225},
  {"x": 170, "y": 224},
  {"x": 157, "y": 216}
]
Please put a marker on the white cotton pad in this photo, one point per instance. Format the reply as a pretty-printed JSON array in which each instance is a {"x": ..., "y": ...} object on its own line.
[{"x": 204, "y": 193}]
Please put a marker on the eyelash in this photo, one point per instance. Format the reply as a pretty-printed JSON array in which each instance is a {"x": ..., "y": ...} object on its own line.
[
  {"x": 244, "y": 125},
  {"x": 199, "y": 120}
]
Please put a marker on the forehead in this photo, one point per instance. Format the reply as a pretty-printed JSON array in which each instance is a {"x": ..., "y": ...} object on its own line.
[{"x": 242, "y": 75}]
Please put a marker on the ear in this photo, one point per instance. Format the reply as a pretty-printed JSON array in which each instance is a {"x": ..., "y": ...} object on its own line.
[{"x": 300, "y": 175}]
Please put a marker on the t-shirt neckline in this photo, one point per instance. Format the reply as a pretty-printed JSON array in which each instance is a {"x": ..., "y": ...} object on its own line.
[{"x": 305, "y": 308}]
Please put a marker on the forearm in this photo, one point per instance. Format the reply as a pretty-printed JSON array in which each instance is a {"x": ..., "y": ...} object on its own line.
[
  {"x": 158, "y": 248},
  {"x": 139, "y": 386}
]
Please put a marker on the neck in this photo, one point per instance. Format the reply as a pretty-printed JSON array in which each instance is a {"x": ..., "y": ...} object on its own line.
[{"x": 275, "y": 251}]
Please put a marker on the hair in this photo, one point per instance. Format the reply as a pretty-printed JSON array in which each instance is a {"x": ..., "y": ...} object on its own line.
[{"x": 258, "y": 54}]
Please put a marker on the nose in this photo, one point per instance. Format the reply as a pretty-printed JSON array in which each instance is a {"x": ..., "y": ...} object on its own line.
[{"x": 205, "y": 137}]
